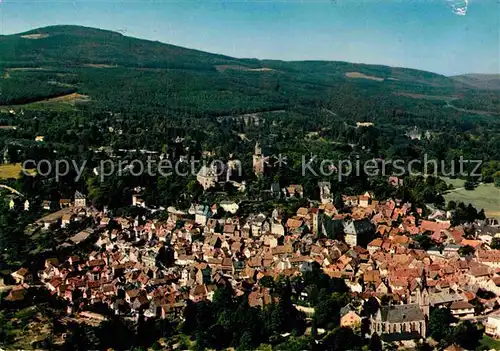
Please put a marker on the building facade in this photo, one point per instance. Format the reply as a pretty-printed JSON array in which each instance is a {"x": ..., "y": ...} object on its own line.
[{"x": 405, "y": 321}]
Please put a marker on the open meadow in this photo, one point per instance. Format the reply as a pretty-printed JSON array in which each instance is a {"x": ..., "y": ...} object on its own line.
[
  {"x": 8, "y": 171},
  {"x": 485, "y": 196}
]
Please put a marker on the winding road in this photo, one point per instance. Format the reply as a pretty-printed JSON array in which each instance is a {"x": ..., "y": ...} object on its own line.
[{"x": 12, "y": 190}]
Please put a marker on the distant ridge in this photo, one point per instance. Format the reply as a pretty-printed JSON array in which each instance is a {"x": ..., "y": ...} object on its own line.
[
  {"x": 71, "y": 44},
  {"x": 481, "y": 81},
  {"x": 119, "y": 42},
  {"x": 55, "y": 61}
]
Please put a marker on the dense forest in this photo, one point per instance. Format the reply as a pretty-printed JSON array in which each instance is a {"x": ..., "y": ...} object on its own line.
[
  {"x": 153, "y": 76},
  {"x": 147, "y": 96}
]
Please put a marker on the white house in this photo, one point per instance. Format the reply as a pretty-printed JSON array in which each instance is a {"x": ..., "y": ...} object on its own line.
[
  {"x": 277, "y": 229},
  {"x": 462, "y": 309},
  {"x": 80, "y": 199},
  {"x": 354, "y": 286},
  {"x": 138, "y": 201},
  {"x": 202, "y": 214},
  {"x": 492, "y": 326},
  {"x": 270, "y": 240},
  {"x": 229, "y": 206},
  {"x": 207, "y": 177},
  {"x": 66, "y": 220}
]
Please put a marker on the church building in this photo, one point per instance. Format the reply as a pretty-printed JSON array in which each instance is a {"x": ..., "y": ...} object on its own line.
[{"x": 405, "y": 321}]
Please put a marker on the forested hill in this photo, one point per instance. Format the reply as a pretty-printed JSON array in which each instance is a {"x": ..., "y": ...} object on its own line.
[
  {"x": 58, "y": 60},
  {"x": 482, "y": 81},
  {"x": 76, "y": 45}
]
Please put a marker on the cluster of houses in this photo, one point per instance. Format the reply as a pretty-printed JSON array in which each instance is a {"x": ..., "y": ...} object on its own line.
[
  {"x": 80, "y": 201},
  {"x": 155, "y": 266}
]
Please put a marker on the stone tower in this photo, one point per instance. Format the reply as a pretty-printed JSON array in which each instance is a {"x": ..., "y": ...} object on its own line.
[
  {"x": 258, "y": 160},
  {"x": 315, "y": 221},
  {"x": 258, "y": 149}
]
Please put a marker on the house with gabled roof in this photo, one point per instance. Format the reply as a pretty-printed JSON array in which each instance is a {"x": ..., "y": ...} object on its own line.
[
  {"x": 329, "y": 210},
  {"x": 293, "y": 224},
  {"x": 374, "y": 245},
  {"x": 293, "y": 191},
  {"x": 80, "y": 199},
  {"x": 364, "y": 201},
  {"x": 22, "y": 276},
  {"x": 198, "y": 293},
  {"x": 202, "y": 214},
  {"x": 63, "y": 203},
  {"x": 260, "y": 298},
  {"x": 462, "y": 309},
  {"x": 381, "y": 288},
  {"x": 141, "y": 302},
  {"x": 229, "y": 206},
  {"x": 350, "y": 320}
]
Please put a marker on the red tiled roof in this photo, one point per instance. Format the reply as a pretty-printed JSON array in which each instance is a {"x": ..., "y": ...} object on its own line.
[
  {"x": 376, "y": 242},
  {"x": 433, "y": 226},
  {"x": 293, "y": 223}
]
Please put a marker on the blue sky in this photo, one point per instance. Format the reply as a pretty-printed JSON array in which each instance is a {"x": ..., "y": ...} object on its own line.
[{"x": 423, "y": 34}]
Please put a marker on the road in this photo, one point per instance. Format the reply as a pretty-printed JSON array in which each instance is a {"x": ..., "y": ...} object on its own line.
[{"x": 11, "y": 189}]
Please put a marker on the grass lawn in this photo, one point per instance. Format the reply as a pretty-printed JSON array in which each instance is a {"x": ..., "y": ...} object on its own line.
[
  {"x": 490, "y": 343},
  {"x": 46, "y": 106},
  {"x": 485, "y": 196},
  {"x": 10, "y": 170},
  {"x": 64, "y": 103},
  {"x": 457, "y": 183}
]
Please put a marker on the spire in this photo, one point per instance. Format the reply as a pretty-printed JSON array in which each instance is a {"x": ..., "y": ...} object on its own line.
[
  {"x": 423, "y": 296},
  {"x": 424, "y": 280}
]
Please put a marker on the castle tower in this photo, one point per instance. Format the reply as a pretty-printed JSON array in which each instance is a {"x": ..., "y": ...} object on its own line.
[
  {"x": 258, "y": 149},
  {"x": 258, "y": 160}
]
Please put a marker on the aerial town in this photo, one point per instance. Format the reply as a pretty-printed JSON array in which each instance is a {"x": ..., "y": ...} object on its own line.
[
  {"x": 152, "y": 268},
  {"x": 250, "y": 175}
]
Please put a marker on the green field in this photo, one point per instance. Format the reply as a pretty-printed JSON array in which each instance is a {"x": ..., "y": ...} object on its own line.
[
  {"x": 457, "y": 183},
  {"x": 485, "y": 196},
  {"x": 10, "y": 171},
  {"x": 490, "y": 343},
  {"x": 63, "y": 103}
]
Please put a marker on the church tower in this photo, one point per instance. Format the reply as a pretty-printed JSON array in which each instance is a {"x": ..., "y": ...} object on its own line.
[
  {"x": 423, "y": 298},
  {"x": 424, "y": 301}
]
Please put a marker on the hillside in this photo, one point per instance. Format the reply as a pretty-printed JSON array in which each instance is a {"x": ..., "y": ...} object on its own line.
[
  {"x": 61, "y": 60},
  {"x": 481, "y": 81},
  {"x": 75, "y": 46}
]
